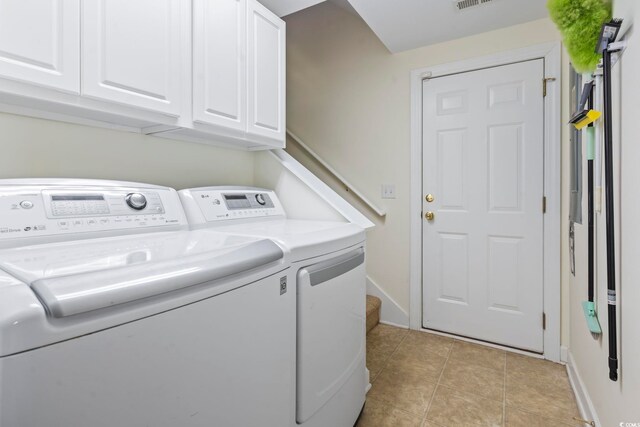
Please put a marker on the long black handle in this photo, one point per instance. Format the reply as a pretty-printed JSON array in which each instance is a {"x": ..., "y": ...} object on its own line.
[
  {"x": 591, "y": 280},
  {"x": 611, "y": 248}
]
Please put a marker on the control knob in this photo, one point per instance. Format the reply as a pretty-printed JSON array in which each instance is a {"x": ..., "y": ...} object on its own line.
[
  {"x": 260, "y": 199},
  {"x": 136, "y": 201}
]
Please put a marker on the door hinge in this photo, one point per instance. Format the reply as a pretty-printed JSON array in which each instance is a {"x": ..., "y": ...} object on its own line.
[
  {"x": 544, "y": 84},
  {"x": 544, "y": 321},
  {"x": 544, "y": 204}
]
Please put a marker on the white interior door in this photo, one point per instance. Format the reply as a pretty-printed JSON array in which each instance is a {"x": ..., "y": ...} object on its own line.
[
  {"x": 40, "y": 42},
  {"x": 132, "y": 52},
  {"x": 483, "y": 164}
]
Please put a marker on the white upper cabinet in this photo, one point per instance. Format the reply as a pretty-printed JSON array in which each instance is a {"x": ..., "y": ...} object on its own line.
[
  {"x": 266, "y": 73},
  {"x": 131, "y": 52},
  {"x": 40, "y": 42},
  {"x": 219, "y": 63},
  {"x": 207, "y": 71}
]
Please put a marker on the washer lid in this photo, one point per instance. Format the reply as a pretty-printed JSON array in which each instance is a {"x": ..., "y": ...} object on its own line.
[
  {"x": 304, "y": 238},
  {"x": 80, "y": 276}
]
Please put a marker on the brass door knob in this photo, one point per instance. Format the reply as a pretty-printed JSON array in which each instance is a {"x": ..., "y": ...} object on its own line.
[
  {"x": 429, "y": 198},
  {"x": 429, "y": 216}
]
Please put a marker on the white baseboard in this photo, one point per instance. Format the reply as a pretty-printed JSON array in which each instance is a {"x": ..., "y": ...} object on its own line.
[
  {"x": 391, "y": 313},
  {"x": 585, "y": 405}
]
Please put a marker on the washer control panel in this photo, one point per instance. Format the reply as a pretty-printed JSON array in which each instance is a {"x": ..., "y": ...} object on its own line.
[
  {"x": 33, "y": 211},
  {"x": 212, "y": 204},
  {"x": 107, "y": 202}
]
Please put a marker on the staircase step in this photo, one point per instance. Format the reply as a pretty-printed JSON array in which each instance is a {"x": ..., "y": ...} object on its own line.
[{"x": 373, "y": 311}]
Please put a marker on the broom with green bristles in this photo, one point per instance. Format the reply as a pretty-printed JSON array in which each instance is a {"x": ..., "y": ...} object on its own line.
[{"x": 580, "y": 22}]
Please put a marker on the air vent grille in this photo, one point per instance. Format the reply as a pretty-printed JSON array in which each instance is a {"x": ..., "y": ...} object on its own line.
[{"x": 466, "y": 4}]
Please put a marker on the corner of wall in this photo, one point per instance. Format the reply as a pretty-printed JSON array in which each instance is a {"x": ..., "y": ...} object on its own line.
[
  {"x": 390, "y": 313},
  {"x": 585, "y": 405}
]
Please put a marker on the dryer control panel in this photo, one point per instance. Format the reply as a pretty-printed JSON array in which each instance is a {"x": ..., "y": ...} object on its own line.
[
  {"x": 216, "y": 204},
  {"x": 33, "y": 208}
]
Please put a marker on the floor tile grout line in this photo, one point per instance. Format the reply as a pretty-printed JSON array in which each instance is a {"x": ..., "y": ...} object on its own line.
[
  {"x": 388, "y": 358},
  {"x": 433, "y": 395},
  {"x": 387, "y": 361},
  {"x": 393, "y": 406},
  {"x": 528, "y": 410}
]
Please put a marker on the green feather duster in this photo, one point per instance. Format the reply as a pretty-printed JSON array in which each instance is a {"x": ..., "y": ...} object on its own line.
[{"x": 580, "y": 22}]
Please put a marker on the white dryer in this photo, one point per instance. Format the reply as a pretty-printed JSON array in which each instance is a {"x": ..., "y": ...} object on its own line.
[
  {"x": 113, "y": 313},
  {"x": 328, "y": 260}
]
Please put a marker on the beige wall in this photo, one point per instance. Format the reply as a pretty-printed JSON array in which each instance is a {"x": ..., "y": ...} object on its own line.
[
  {"x": 349, "y": 99},
  {"x": 614, "y": 402},
  {"x": 42, "y": 148}
]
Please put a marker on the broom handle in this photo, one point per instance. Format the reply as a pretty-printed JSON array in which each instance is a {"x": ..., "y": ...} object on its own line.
[
  {"x": 611, "y": 248},
  {"x": 590, "y": 157}
]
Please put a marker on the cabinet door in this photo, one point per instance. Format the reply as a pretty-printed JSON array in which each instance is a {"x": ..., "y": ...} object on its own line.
[
  {"x": 40, "y": 42},
  {"x": 131, "y": 52},
  {"x": 219, "y": 63},
  {"x": 266, "y": 62}
]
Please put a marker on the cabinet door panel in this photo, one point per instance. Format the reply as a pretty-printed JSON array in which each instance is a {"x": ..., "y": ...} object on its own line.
[
  {"x": 219, "y": 63},
  {"x": 132, "y": 52},
  {"x": 40, "y": 42},
  {"x": 266, "y": 62}
]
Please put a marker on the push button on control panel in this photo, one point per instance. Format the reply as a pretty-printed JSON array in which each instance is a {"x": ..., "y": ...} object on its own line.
[{"x": 26, "y": 204}]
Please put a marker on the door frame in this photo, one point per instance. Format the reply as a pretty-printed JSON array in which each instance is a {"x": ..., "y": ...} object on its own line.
[{"x": 551, "y": 53}]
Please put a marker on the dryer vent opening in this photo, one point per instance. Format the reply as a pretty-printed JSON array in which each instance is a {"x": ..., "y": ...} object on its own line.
[{"x": 466, "y": 4}]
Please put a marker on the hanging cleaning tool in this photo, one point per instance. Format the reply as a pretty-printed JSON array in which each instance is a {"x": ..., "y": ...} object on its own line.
[
  {"x": 585, "y": 117},
  {"x": 597, "y": 162},
  {"x": 607, "y": 36},
  {"x": 579, "y": 22},
  {"x": 589, "y": 306}
]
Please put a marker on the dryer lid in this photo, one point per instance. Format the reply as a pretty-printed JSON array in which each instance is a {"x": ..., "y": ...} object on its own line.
[
  {"x": 304, "y": 238},
  {"x": 76, "y": 277}
]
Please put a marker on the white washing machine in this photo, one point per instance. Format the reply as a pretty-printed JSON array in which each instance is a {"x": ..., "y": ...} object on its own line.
[
  {"x": 113, "y": 313},
  {"x": 328, "y": 260}
]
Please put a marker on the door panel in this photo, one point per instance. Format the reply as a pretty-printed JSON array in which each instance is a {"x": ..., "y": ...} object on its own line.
[
  {"x": 452, "y": 148},
  {"x": 454, "y": 271},
  {"x": 40, "y": 42},
  {"x": 483, "y": 162},
  {"x": 266, "y": 62},
  {"x": 219, "y": 67},
  {"x": 132, "y": 52},
  {"x": 505, "y": 168}
]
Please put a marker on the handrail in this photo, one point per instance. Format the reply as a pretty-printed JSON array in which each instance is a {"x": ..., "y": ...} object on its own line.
[{"x": 336, "y": 174}]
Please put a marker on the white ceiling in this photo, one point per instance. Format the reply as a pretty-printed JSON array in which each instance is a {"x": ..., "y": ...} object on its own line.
[
  {"x": 408, "y": 24},
  {"x": 287, "y": 7}
]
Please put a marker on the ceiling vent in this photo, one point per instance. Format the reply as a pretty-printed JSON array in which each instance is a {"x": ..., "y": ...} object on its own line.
[{"x": 468, "y": 4}]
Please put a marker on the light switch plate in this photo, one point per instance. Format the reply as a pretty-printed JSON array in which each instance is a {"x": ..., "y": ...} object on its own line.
[{"x": 388, "y": 191}]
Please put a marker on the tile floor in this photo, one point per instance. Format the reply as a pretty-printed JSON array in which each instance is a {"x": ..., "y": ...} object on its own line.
[{"x": 426, "y": 380}]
